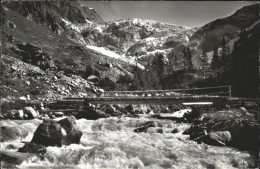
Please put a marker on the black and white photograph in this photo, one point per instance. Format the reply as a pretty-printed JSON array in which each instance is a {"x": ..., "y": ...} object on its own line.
[{"x": 129, "y": 84}]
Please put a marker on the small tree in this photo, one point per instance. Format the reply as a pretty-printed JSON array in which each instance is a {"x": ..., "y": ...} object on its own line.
[
  {"x": 154, "y": 80},
  {"x": 187, "y": 59},
  {"x": 161, "y": 69},
  {"x": 224, "y": 53},
  {"x": 173, "y": 61},
  {"x": 89, "y": 71},
  {"x": 215, "y": 63},
  {"x": 136, "y": 85},
  {"x": 228, "y": 55},
  {"x": 107, "y": 84},
  {"x": 204, "y": 59}
]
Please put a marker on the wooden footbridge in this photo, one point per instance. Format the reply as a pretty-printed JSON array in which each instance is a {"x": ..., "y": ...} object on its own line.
[
  {"x": 173, "y": 96},
  {"x": 145, "y": 100},
  {"x": 217, "y": 96}
]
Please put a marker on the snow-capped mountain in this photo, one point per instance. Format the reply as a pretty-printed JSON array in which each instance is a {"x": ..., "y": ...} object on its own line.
[
  {"x": 131, "y": 37},
  {"x": 144, "y": 38}
]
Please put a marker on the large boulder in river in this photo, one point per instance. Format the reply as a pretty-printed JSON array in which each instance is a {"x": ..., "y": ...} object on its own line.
[
  {"x": 72, "y": 130},
  {"x": 30, "y": 112},
  {"x": 57, "y": 133},
  {"x": 49, "y": 133},
  {"x": 145, "y": 126}
]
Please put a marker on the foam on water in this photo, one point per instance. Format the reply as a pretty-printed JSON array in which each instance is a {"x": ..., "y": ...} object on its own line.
[{"x": 111, "y": 143}]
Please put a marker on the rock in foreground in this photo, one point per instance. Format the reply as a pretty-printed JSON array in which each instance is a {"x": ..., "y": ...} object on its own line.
[
  {"x": 220, "y": 138},
  {"x": 236, "y": 128},
  {"x": 145, "y": 127},
  {"x": 57, "y": 133}
]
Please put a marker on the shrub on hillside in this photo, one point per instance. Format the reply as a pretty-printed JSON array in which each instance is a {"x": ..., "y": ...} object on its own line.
[{"x": 107, "y": 84}]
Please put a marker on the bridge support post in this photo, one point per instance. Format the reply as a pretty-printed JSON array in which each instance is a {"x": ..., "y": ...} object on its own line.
[
  {"x": 220, "y": 104},
  {"x": 230, "y": 92},
  {"x": 95, "y": 107}
]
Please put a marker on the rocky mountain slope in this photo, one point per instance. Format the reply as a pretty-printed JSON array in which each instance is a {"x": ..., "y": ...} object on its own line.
[
  {"x": 64, "y": 37},
  {"x": 33, "y": 52},
  {"x": 137, "y": 37}
]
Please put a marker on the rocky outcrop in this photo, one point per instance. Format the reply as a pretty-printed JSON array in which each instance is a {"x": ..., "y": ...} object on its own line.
[
  {"x": 34, "y": 55},
  {"x": 53, "y": 133}
]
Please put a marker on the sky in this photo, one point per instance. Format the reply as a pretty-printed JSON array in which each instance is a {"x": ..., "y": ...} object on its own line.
[{"x": 183, "y": 13}]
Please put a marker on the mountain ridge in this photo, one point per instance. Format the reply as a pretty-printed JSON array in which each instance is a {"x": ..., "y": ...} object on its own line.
[{"x": 229, "y": 26}]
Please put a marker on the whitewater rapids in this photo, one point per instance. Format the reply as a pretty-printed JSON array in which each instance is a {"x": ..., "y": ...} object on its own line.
[{"x": 111, "y": 143}]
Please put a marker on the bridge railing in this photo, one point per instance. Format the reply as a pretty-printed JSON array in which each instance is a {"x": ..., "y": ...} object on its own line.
[{"x": 218, "y": 91}]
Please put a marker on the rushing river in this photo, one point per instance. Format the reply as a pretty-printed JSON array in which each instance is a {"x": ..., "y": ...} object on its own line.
[{"x": 111, "y": 143}]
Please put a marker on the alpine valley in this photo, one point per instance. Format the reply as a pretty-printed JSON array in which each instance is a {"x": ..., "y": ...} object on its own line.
[{"x": 51, "y": 50}]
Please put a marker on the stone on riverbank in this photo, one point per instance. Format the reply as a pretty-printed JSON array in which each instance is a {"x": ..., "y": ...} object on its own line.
[
  {"x": 91, "y": 113},
  {"x": 30, "y": 112}
]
